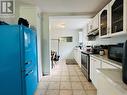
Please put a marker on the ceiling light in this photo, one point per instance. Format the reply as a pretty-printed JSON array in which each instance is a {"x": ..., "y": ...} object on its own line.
[{"x": 61, "y": 25}]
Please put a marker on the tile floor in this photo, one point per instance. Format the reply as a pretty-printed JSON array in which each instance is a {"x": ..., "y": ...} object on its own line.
[{"x": 65, "y": 80}]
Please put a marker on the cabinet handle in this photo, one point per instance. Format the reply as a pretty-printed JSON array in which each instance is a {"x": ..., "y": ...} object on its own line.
[{"x": 28, "y": 62}]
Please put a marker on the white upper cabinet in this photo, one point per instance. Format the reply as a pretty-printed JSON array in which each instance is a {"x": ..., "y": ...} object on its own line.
[
  {"x": 89, "y": 26},
  {"x": 117, "y": 17},
  {"x": 113, "y": 19},
  {"x": 95, "y": 22},
  {"x": 104, "y": 24}
]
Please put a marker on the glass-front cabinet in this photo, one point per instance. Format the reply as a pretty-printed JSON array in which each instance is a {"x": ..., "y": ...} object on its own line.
[
  {"x": 113, "y": 19},
  {"x": 117, "y": 18},
  {"x": 104, "y": 22}
]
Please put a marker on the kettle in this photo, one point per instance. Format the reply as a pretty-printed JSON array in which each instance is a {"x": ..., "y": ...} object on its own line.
[{"x": 101, "y": 52}]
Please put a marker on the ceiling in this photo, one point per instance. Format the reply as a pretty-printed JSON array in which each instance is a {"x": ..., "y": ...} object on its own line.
[
  {"x": 77, "y": 6},
  {"x": 76, "y": 23}
]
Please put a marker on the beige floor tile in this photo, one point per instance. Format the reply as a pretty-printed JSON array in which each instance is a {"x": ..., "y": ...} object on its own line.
[
  {"x": 65, "y": 78},
  {"x": 79, "y": 92},
  {"x": 88, "y": 86},
  {"x": 55, "y": 78},
  {"x": 83, "y": 78},
  {"x": 40, "y": 92},
  {"x": 52, "y": 92},
  {"x": 78, "y": 70},
  {"x": 71, "y": 70},
  {"x": 54, "y": 85},
  {"x": 56, "y": 73},
  {"x": 80, "y": 73},
  {"x": 65, "y": 73},
  {"x": 74, "y": 78},
  {"x": 46, "y": 78},
  {"x": 65, "y": 85},
  {"x": 73, "y": 73},
  {"x": 76, "y": 85},
  {"x": 43, "y": 85},
  {"x": 65, "y": 92},
  {"x": 91, "y": 92},
  {"x": 65, "y": 70}
]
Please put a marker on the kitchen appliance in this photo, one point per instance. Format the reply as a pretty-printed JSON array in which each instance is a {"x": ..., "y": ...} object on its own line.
[
  {"x": 102, "y": 52},
  {"x": 93, "y": 34},
  {"x": 115, "y": 52},
  {"x": 88, "y": 48},
  {"x": 18, "y": 60},
  {"x": 96, "y": 49},
  {"x": 85, "y": 64},
  {"x": 124, "y": 68}
]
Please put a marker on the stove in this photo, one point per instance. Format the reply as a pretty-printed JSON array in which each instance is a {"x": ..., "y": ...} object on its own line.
[{"x": 85, "y": 64}]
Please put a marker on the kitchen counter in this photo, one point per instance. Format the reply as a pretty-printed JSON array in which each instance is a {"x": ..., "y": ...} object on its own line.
[
  {"x": 114, "y": 77},
  {"x": 107, "y": 60}
]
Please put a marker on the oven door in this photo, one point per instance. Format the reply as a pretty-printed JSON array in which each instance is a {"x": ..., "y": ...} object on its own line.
[
  {"x": 84, "y": 61},
  {"x": 85, "y": 64}
]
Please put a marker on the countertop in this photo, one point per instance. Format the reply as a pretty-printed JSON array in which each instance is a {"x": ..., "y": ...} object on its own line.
[
  {"x": 107, "y": 60},
  {"x": 103, "y": 58},
  {"x": 114, "y": 77}
]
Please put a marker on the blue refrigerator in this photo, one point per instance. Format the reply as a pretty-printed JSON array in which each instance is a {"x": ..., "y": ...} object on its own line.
[{"x": 18, "y": 60}]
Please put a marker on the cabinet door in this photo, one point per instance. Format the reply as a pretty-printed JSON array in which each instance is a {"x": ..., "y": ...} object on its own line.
[
  {"x": 104, "y": 22},
  {"x": 90, "y": 26},
  {"x": 94, "y": 64},
  {"x": 75, "y": 54},
  {"x": 116, "y": 14},
  {"x": 91, "y": 68},
  {"x": 107, "y": 65},
  {"x": 95, "y": 22},
  {"x": 105, "y": 87}
]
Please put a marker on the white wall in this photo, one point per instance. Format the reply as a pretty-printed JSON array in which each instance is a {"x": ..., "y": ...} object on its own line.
[
  {"x": 65, "y": 48},
  {"x": 29, "y": 13},
  {"x": 72, "y": 28},
  {"x": 39, "y": 44},
  {"x": 45, "y": 44}
]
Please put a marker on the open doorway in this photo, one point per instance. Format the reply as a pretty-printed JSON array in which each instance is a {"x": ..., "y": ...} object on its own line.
[{"x": 66, "y": 33}]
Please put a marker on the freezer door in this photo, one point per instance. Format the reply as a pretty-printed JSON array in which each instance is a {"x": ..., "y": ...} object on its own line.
[
  {"x": 10, "y": 70},
  {"x": 31, "y": 77},
  {"x": 30, "y": 48},
  {"x": 31, "y": 81}
]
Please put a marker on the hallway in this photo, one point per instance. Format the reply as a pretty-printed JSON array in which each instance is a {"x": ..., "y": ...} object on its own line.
[{"x": 65, "y": 80}]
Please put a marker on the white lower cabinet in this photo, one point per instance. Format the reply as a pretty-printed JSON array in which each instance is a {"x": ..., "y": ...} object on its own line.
[
  {"x": 94, "y": 64},
  {"x": 77, "y": 56},
  {"x": 104, "y": 87},
  {"x": 98, "y": 64},
  {"x": 103, "y": 84}
]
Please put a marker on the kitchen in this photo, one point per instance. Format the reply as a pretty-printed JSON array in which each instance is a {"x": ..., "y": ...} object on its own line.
[{"x": 100, "y": 52}]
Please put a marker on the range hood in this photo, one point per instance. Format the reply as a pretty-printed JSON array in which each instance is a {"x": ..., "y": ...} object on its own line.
[{"x": 94, "y": 32}]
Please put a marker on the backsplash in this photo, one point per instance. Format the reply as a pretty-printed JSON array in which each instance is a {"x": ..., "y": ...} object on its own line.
[{"x": 107, "y": 41}]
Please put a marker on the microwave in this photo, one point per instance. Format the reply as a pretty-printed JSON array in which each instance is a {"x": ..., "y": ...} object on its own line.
[{"x": 115, "y": 52}]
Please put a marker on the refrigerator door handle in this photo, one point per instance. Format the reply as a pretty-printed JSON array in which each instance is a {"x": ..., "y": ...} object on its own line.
[
  {"x": 30, "y": 72},
  {"x": 28, "y": 62}
]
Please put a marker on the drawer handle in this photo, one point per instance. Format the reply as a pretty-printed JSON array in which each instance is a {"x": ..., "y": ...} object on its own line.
[
  {"x": 29, "y": 62},
  {"x": 30, "y": 72}
]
